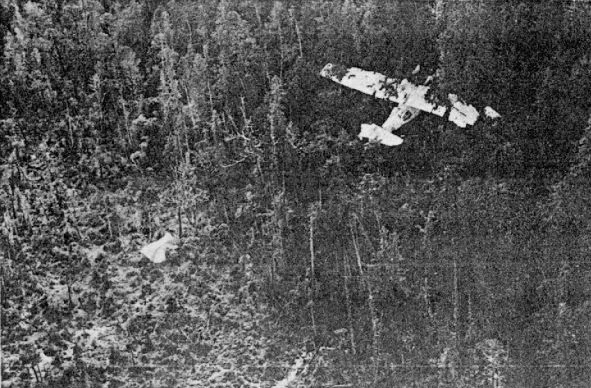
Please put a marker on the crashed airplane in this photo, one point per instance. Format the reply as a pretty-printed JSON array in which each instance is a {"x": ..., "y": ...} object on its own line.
[{"x": 411, "y": 100}]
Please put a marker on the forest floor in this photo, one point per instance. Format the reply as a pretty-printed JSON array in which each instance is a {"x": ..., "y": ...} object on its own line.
[
  {"x": 81, "y": 306},
  {"x": 94, "y": 312}
]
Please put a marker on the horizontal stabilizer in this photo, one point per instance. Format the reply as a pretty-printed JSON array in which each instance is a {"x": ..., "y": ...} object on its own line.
[{"x": 378, "y": 134}]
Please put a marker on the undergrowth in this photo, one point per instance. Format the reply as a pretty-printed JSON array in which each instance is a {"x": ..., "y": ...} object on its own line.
[{"x": 89, "y": 309}]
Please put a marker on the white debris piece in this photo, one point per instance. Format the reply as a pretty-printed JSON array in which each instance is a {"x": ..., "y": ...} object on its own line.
[
  {"x": 461, "y": 114},
  {"x": 376, "y": 133},
  {"x": 156, "y": 251},
  {"x": 292, "y": 374},
  {"x": 491, "y": 113},
  {"x": 416, "y": 70}
]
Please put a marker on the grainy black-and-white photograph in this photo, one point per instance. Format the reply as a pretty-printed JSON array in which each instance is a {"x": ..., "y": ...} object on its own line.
[{"x": 295, "y": 194}]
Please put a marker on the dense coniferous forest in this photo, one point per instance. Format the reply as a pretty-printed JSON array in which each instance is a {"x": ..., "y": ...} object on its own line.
[{"x": 306, "y": 257}]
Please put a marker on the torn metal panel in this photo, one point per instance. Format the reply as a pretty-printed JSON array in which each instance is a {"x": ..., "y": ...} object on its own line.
[
  {"x": 376, "y": 133},
  {"x": 491, "y": 113},
  {"x": 461, "y": 114}
]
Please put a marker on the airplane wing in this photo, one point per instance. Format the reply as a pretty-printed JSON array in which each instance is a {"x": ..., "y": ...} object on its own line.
[
  {"x": 368, "y": 82},
  {"x": 378, "y": 85},
  {"x": 404, "y": 93}
]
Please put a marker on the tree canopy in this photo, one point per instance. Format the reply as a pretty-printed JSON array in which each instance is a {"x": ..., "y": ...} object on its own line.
[{"x": 462, "y": 251}]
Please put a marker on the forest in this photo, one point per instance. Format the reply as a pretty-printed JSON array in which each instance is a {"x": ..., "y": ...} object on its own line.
[{"x": 305, "y": 256}]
